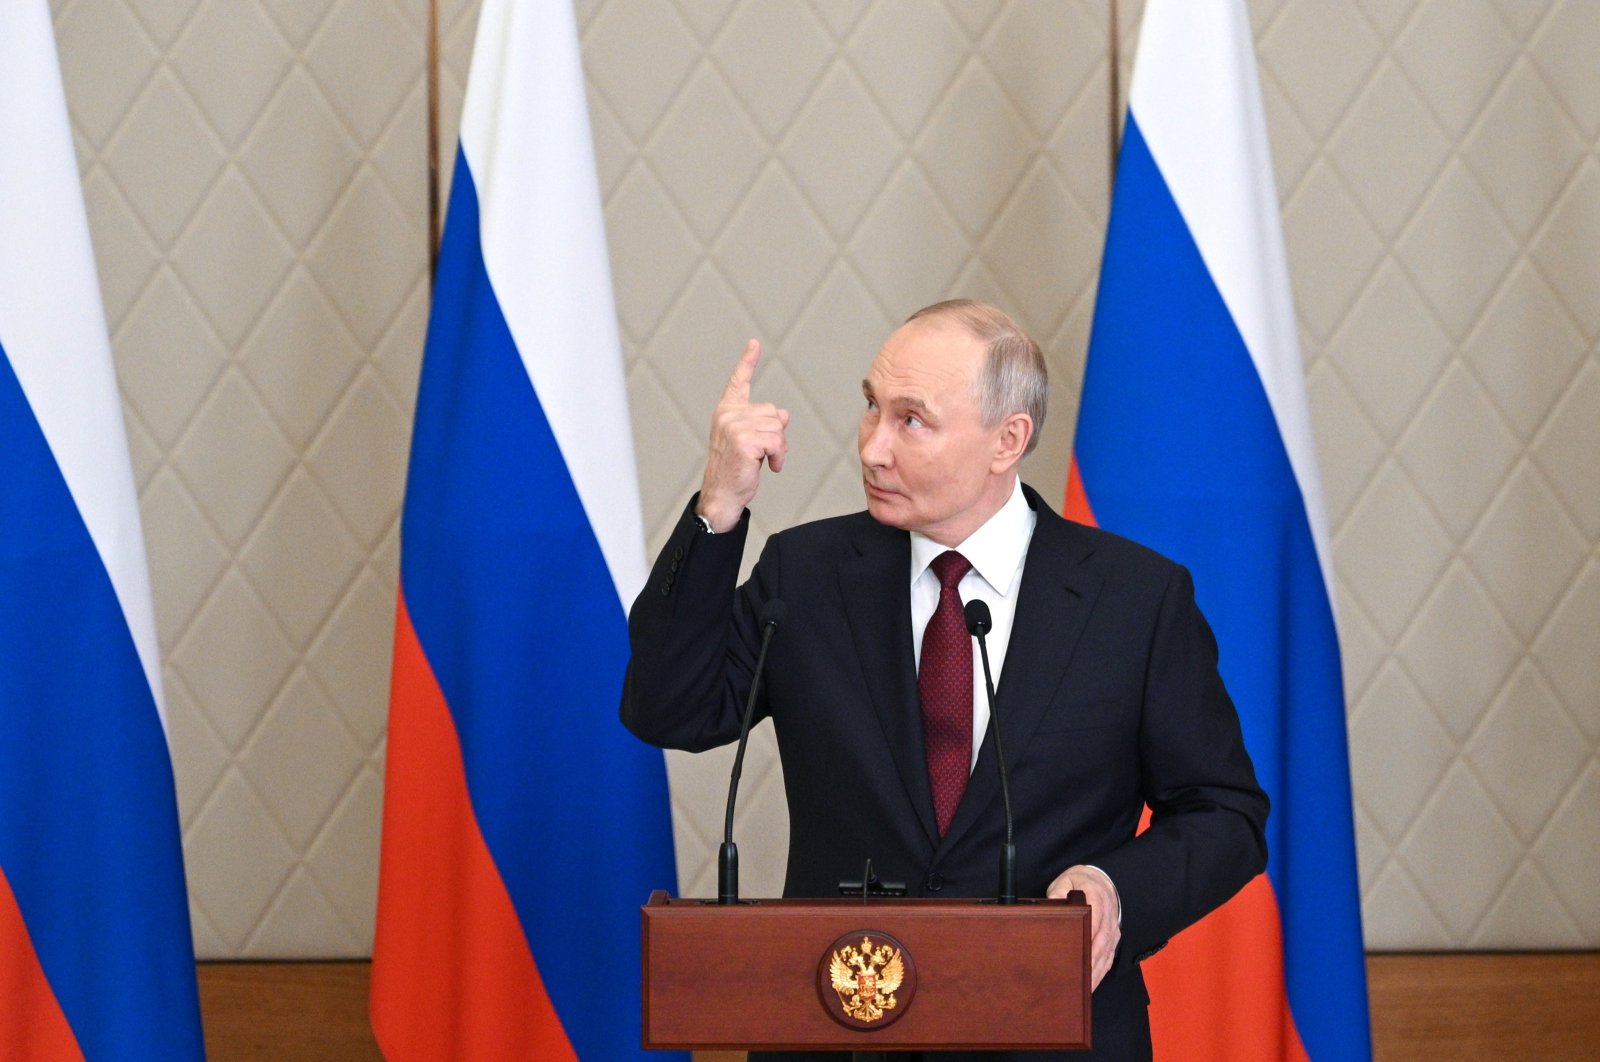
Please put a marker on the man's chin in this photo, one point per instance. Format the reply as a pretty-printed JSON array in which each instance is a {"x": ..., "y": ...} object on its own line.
[{"x": 884, "y": 510}]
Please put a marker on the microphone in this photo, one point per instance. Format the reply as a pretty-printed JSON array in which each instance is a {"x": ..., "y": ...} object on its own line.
[
  {"x": 979, "y": 624},
  {"x": 772, "y": 614}
]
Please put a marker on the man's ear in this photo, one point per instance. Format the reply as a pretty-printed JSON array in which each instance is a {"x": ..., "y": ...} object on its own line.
[{"x": 1012, "y": 442}]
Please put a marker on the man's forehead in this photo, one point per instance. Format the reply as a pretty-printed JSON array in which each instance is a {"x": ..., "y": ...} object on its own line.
[
  {"x": 925, "y": 357},
  {"x": 897, "y": 392}
]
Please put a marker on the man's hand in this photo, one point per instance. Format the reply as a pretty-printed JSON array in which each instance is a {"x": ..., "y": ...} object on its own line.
[
  {"x": 743, "y": 434},
  {"x": 1102, "y": 896}
]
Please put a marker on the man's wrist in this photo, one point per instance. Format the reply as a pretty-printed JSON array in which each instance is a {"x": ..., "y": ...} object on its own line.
[
  {"x": 1111, "y": 885},
  {"x": 715, "y": 519}
]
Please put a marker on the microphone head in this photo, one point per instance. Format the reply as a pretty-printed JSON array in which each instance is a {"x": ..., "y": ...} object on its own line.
[
  {"x": 773, "y": 613},
  {"x": 977, "y": 616}
]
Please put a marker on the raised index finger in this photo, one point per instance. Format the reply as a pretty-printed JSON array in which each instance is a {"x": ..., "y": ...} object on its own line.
[{"x": 738, "y": 386}]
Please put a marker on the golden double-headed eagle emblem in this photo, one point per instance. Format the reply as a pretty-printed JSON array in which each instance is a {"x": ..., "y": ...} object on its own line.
[{"x": 866, "y": 978}]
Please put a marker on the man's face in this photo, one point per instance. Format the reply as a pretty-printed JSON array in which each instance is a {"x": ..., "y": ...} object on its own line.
[{"x": 927, "y": 462}]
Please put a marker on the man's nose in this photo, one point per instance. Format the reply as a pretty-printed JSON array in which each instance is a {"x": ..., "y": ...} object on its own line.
[{"x": 874, "y": 448}]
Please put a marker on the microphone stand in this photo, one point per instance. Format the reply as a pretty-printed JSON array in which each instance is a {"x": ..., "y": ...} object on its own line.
[
  {"x": 772, "y": 614},
  {"x": 978, "y": 625}
]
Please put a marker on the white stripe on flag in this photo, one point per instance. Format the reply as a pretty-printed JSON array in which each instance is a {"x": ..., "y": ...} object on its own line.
[
  {"x": 525, "y": 131},
  {"x": 52, "y": 322},
  {"x": 1194, "y": 110}
]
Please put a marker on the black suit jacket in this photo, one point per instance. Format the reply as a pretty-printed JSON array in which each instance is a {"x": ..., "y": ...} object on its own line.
[{"x": 1110, "y": 700}]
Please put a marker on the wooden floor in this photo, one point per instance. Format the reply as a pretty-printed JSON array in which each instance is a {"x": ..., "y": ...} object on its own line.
[{"x": 1424, "y": 1007}]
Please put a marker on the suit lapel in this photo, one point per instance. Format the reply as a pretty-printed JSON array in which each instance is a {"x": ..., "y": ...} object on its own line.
[
  {"x": 1053, "y": 605},
  {"x": 874, "y": 582}
]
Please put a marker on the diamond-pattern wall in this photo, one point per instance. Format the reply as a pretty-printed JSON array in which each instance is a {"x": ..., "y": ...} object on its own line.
[
  {"x": 1445, "y": 162},
  {"x": 259, "y": 216},
  {"x": 810, "y": 172}
]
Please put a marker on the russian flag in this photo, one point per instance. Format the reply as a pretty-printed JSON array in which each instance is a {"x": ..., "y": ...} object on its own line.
[
  {"x": 96, "y": 958},
  {"x": 522, "y": 827},
  {"x": 1194, "y": 438}
]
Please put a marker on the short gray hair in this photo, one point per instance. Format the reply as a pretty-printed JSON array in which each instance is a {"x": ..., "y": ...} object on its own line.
[{"x": 1014, "y": 377}]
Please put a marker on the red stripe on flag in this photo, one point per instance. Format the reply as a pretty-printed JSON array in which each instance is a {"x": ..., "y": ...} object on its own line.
[
  {"x": 32, "y": 1026},
  {"x": 1077, "y": 502},
  {"x": 1217, "y": 992},
  {"x": 452, "y": 975}
]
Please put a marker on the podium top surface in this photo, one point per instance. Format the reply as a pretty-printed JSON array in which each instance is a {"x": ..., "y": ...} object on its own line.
[{"x": 660, "y": 898}]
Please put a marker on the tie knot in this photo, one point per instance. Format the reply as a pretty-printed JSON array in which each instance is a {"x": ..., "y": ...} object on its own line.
[{"x": 950, "y": 567}]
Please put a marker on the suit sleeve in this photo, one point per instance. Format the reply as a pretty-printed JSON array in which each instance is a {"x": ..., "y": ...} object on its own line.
[
  {"x": 1206, "y": 838},
  {"x": 693, "y": 637}
]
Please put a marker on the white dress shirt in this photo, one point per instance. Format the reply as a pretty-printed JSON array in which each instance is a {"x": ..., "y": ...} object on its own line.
[{"x": 996, "y": 551}]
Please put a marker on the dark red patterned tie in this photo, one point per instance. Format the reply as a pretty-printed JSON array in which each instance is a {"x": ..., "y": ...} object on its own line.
[{"x": 944, "y": 682}]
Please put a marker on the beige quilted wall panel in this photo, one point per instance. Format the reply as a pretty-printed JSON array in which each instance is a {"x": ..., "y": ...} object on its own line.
[{"x": 809, "y": 173}]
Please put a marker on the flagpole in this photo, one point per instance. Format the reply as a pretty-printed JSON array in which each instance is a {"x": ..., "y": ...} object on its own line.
[
  {"x": 433, "y": 141},
  {"x": 1114, "y": 110}
]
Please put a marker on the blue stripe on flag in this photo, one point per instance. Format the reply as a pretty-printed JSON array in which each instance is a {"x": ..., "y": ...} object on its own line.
[
  {"x": 515, "y": 609},
  {"x": 88, "y": 821},
  {"x": 1180, "y": 450}
]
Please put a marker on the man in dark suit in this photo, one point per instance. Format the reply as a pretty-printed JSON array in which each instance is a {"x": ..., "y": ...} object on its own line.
[{"x": 1108, "y": 694}]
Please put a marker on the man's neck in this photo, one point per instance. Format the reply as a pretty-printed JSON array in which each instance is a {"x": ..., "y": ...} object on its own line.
[{"x": 962, "y": 526}]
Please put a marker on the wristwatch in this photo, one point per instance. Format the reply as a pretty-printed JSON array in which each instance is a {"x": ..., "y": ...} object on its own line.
[{"x": 705, "y": 525}]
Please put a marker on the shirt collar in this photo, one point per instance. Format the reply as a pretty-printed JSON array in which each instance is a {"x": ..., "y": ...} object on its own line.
[{"x": 995, "y": 549}]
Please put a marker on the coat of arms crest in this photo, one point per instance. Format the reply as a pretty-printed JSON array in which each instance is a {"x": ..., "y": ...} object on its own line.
[{"x": 866, "y": 978}]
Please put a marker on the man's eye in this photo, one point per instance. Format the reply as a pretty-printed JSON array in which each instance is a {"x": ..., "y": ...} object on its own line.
[
  {"x": 913, "y": 421},
  {"x": 871, "y": 404}
]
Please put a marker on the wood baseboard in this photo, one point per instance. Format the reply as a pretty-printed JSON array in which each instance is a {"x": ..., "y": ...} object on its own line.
[
  {"x": 1456, "y": 1006},
  {"x": 1485, "y": 1005},
  {"x": 287, "y": 1012}
]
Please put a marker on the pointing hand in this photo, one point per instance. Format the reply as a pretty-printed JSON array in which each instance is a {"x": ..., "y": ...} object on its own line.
[{"x": 743, "y": 435}]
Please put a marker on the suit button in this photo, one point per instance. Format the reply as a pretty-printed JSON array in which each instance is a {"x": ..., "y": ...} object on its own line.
[
  {"x": 666, "y": 588},
  {"x": 677, "y": 554},
  {"x": 934, "y": 883}
]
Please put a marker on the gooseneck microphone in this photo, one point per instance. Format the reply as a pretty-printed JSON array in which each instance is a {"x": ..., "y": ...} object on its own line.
[
  {"x": 772, "y": 614},
  {"x": 979, "y": 624}
]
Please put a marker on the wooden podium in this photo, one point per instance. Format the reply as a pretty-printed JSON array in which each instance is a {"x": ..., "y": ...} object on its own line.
[{"x": 972, "y": 975}]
